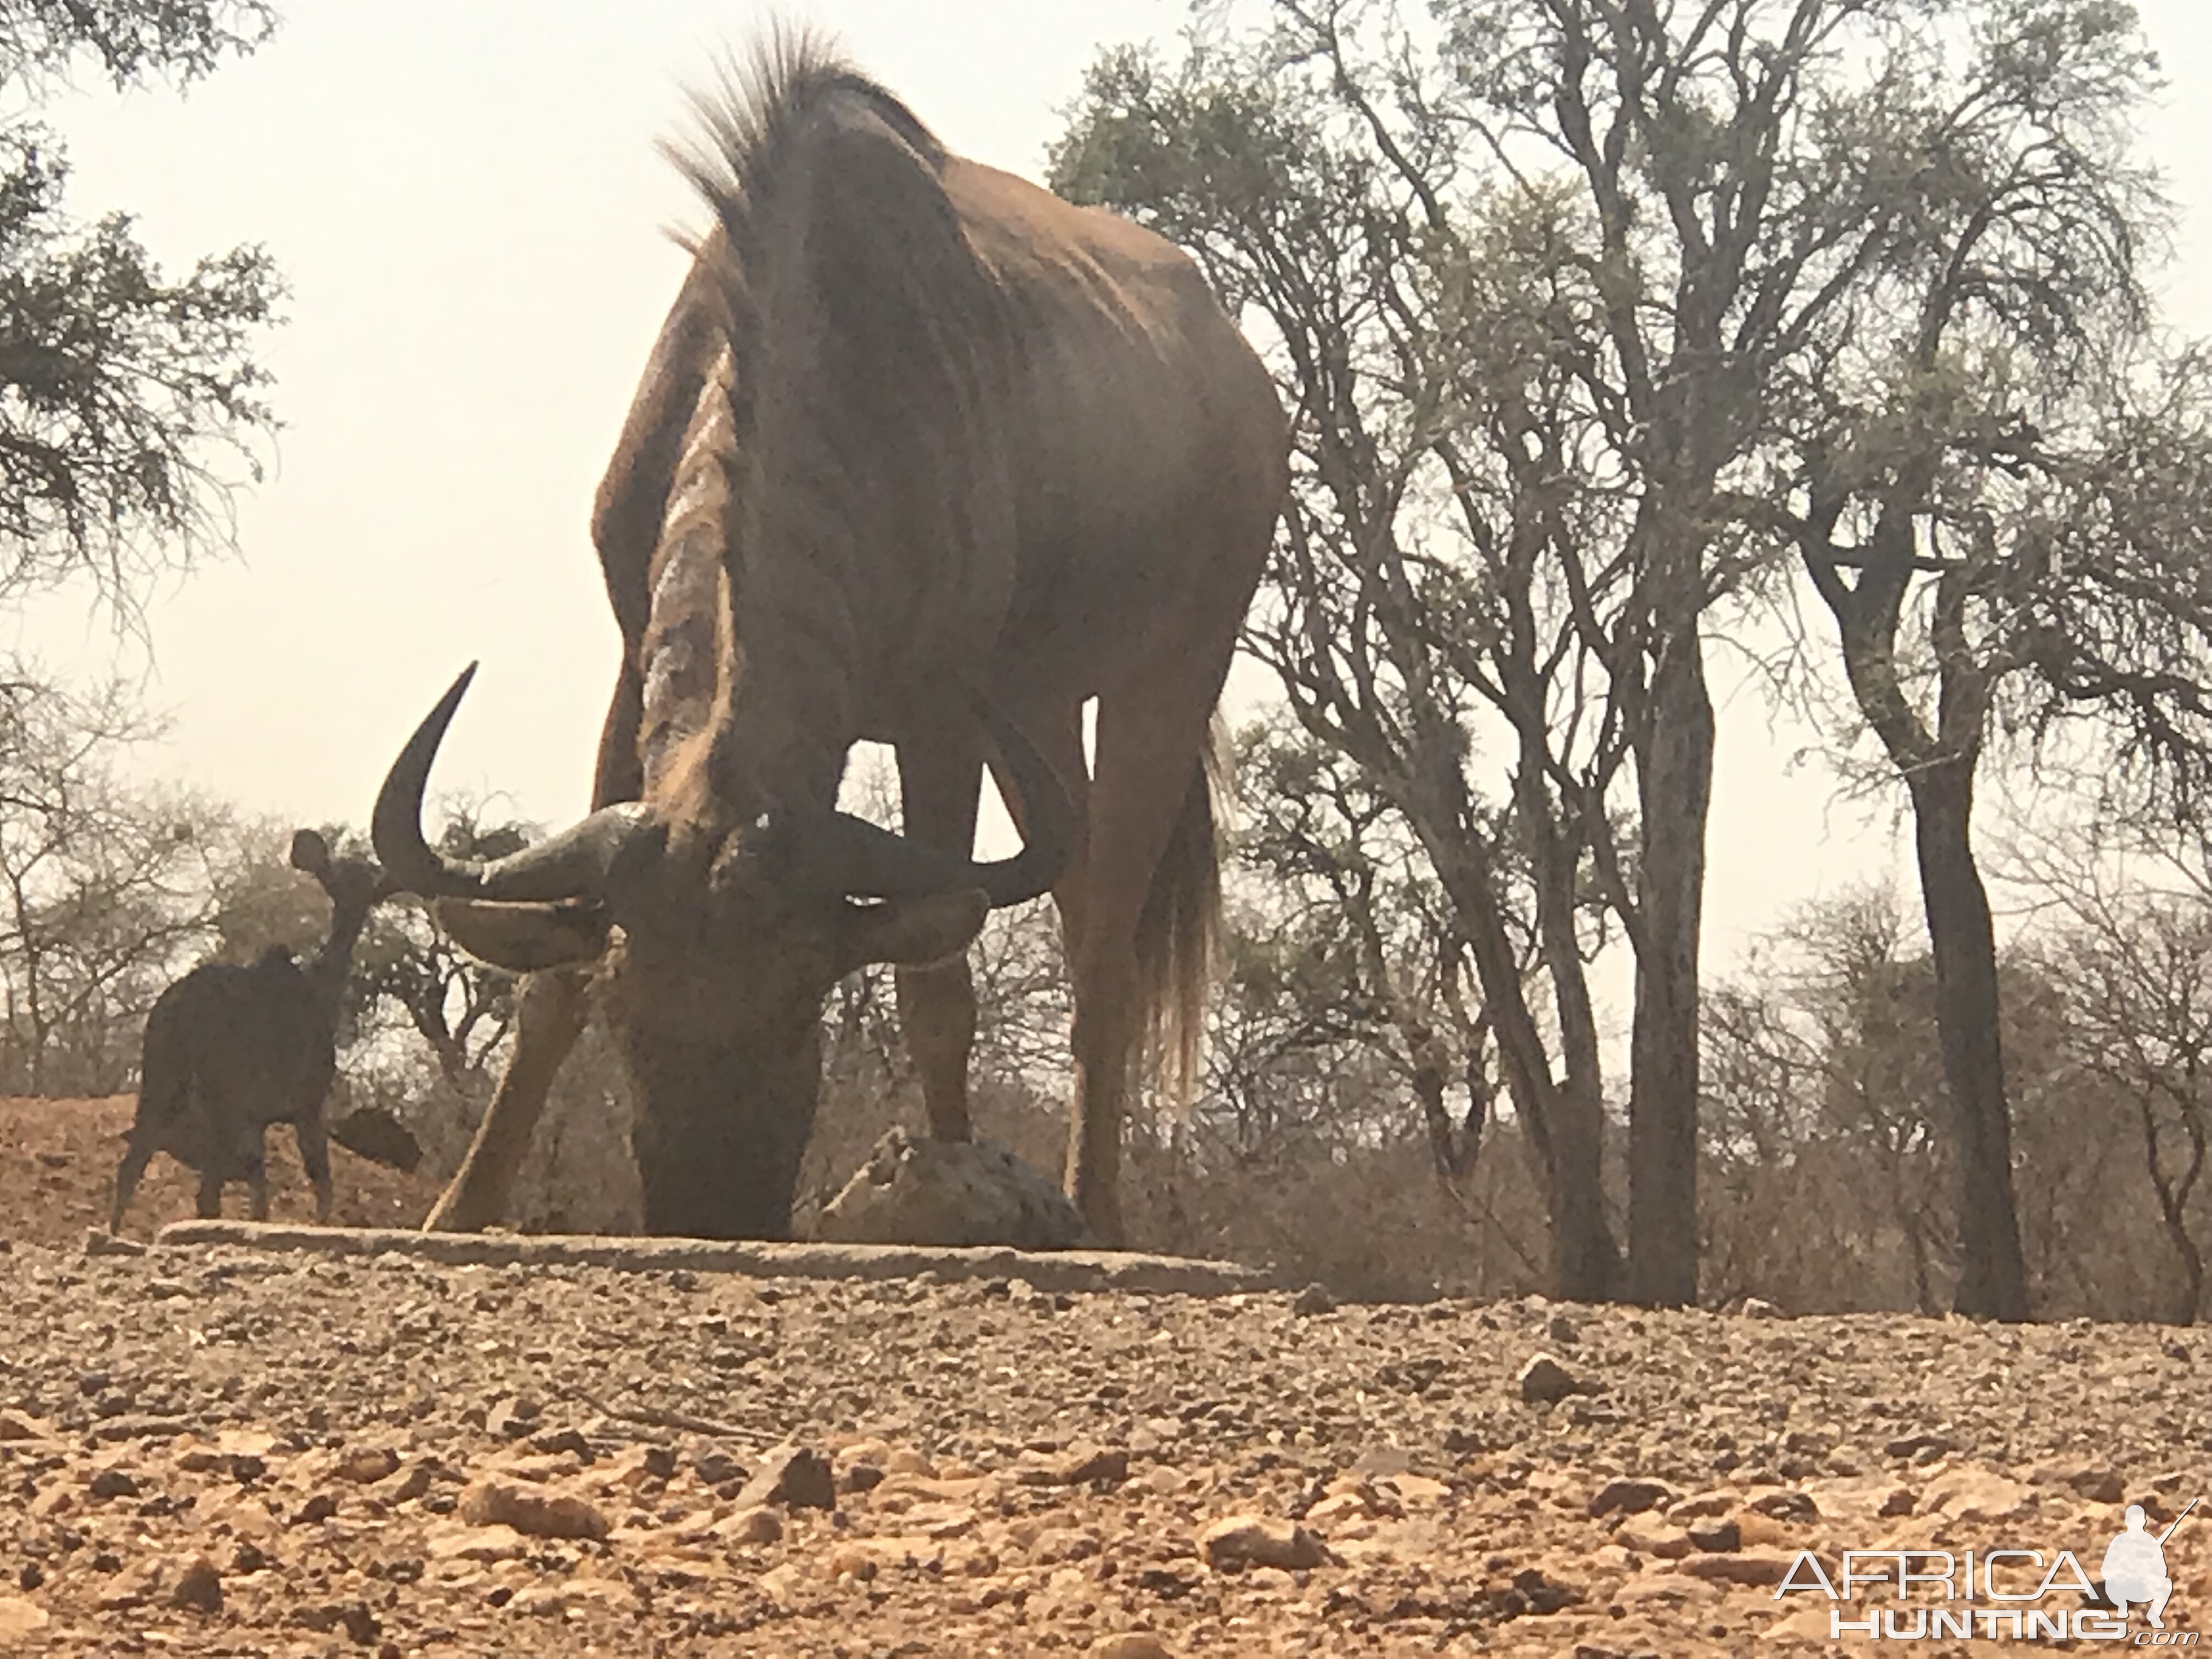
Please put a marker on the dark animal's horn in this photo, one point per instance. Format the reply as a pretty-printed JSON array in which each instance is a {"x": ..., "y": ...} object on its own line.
[
  {"x": 573, "y": 864},
  {"x": 867, "y": 860}
]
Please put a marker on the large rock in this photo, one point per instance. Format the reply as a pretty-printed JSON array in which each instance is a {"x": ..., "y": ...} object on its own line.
[{"x": 916, "y": 1191}]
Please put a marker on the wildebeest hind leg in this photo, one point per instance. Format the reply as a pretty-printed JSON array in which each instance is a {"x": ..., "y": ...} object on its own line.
[
  {"x": 257, "y": 1181},
  {"x": 549, "y": 1018},
  {"x": 128, "y": 1174},
  {"x": 1151, "y": 743},
  {"x": 209, "y": 1204}
]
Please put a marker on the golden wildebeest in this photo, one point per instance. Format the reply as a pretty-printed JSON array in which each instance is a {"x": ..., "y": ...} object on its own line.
[{"x": 923, "y": 455}]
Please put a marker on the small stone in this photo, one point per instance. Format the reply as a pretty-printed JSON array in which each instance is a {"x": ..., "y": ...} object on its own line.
[
  {"x": 1562, "y": 1329},
  {"x": 1081, "y": 1464},
  {"x": 1544, "y": 1381},
  {"x": 20, "y": 1618},
  {"x": 2099, "y": 1485},
  {"x": 465, "y": 1543},
  {"x": 1257, "y": 1542},
  {"x": 1667, "y": 1543},
  {"x": 530, "y": 1511},
  {"x": 796, "y": 1477},
  {"x": 128, "y": 1588},
  {"x": 1918, "y": 1447},
  {"x": 365, "y": 1464},
  {"x": 1716, "y": 1537},
  {"x": 716, "y": 1469},
  {"x": 1753, "y": 1308},
  {"x": 1628, "y": 1498},
  {"x": 1791, "y": 1506},
  {"x": 112, "y": 1483},
  {"x": 353, "y": 1617},
  {"x": 752, "y": 1525},
  {"x": 1316, "y": 1298},
  {"x": 318, "y": 1508},
  {"x": 199, "y": 1587},
  {"x": 510, "y": 1418},
  {"x": 1129, "y": 1645},
  {"x": 1741, "y": 1567},
  {"x": 22, "y": 1425},
  {"x": 1543, "y": 1594},
  {"x": 136, "y": 1426},
  {"x": 862, "y": 1477}
]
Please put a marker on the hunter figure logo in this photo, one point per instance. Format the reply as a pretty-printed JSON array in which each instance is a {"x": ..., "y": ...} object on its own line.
[
  {"x": 2135, "y": 1567},
  {"x": 1998, "y": 1594}
]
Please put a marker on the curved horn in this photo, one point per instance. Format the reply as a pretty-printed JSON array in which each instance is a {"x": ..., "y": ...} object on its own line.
[
  {"x": 573, "y": 864},
  {"x": 867, "y": 860}
]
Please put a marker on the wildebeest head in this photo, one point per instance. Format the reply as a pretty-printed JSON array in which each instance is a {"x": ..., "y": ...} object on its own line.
[
  {"x": 355, "y": 884},
  {"x": 719, "y": 935}
]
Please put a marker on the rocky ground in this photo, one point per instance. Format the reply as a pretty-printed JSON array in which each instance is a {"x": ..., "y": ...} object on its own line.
[
  {"x": 213, "y": 1450},
  {"x": 57, "y": 1162}
]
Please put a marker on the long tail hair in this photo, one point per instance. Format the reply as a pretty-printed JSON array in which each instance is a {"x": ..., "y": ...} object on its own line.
[{"x": 1179, "y": 930}]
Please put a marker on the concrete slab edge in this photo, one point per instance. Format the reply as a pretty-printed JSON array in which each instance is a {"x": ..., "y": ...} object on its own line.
[{"x": 1059, "y": 1270}]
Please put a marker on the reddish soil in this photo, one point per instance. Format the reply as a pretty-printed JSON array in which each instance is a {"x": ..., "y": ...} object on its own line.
[{"x": 57, "y": 1162}]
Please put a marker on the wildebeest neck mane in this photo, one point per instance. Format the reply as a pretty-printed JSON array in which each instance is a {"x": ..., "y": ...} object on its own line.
[{"x": 864, "y": 448}]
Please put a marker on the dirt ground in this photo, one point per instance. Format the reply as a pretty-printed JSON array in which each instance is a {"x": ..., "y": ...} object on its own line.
[
  {"x": 216, "y": 1450},
  {"x": 57, "y": 1162}
]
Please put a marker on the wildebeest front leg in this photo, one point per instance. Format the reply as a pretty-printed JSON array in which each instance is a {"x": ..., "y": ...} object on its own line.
[
  {"x": 314, "y": 1138},
  {"x": 940, "y": 777},
  {"x": 209, "y": 1205},
  {"x": 549, "y": 1018}
]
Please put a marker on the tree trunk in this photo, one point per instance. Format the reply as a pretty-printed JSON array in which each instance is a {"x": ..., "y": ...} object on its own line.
[
  {"x": 1992, "y": 1274},
  {"x": 1675, "y": 784},
  {"x": 1563, "y": 1123}
]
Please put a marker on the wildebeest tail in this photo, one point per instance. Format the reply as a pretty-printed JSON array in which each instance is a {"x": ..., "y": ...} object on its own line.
[{"x": 1179, "y": 929}]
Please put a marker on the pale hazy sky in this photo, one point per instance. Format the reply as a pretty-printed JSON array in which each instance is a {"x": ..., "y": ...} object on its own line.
[{"x": 465, "y": 198}]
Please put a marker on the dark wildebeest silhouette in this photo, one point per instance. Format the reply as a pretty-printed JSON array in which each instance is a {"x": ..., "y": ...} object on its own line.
[
  {"x": 231, "y": 1050},
  {"x": 928, "y": 456}
]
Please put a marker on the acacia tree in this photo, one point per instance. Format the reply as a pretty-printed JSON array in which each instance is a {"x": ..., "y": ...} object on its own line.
[
  {"x": 2129, "y": 952},
  {"x": 123, "y": 394},
  {"x": 103, "y": 889},
  {"x": 122, "y": 391},
  {"x": 460, "y": 1008},
  {"x": 1356, "y": 944},
  {"x": 1998, "y": 494},
  {"x": 1531, "y": 289}
]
